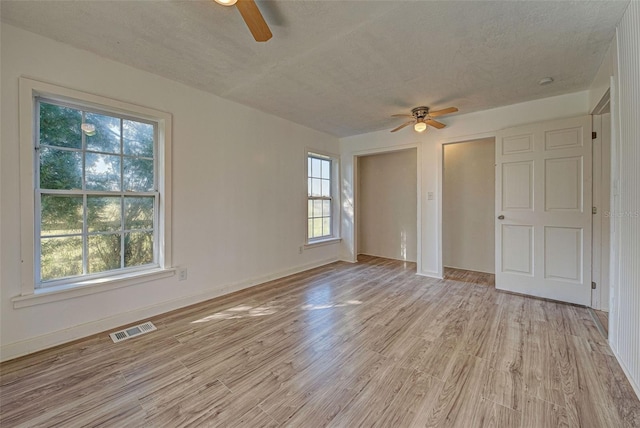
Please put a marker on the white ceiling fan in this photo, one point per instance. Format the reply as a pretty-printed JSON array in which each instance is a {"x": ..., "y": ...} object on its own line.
[{"x": 421, "y": 117}]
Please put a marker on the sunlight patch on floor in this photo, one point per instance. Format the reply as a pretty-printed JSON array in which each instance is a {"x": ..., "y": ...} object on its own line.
[
  {"x": 243, "y": 311},
  {"x": 240, "y": 311},
  {"x": 310, "y": 307}
]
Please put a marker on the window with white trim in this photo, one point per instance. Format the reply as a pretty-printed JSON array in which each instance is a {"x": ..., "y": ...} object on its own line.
[
  {"x": 320, "y": 200},
  {"x": 98, "y": 189},
  {"x": 95, "y": 192}
]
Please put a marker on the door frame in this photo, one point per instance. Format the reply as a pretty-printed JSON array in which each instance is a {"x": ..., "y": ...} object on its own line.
[
  {"x": 440, "y": 189},
  {"x": 601, "y": 242},
  {"x": 354, "y": 167}
]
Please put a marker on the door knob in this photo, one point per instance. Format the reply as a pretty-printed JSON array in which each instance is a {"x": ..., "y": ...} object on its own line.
[{"x": 500, "y": 217}]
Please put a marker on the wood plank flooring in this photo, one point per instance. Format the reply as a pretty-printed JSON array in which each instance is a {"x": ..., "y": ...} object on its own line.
[
  {"x": 480, "y": 278},
  {"x": 603, "y": 318},
  {"x": 346, "y": 345}
]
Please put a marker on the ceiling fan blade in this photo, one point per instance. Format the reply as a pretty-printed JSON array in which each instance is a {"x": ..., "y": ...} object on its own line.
[
  {"x": 401, "y": 115},
  {"x": 402, "y": 126},
  {"x": 254, "y": 20},
  {"x": 435, "y": 123},
  {"x": 443, "y": 112}
]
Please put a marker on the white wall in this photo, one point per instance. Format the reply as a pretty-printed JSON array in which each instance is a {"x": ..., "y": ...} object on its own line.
[
  {"x": 461, "y": 127},
  {"x": 239, "y": 194},
  {"x": 468, "y": 205},
  {"x": 624, "y": 335},
  {"x": 387, "y": 192},
  {"x": 601, "y": 82}
]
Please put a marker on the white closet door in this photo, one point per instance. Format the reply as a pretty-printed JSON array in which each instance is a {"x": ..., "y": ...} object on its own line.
[{"x": 543, "y": 210}]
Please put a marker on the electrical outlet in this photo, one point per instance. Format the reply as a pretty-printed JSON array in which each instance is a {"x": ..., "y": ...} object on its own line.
[
  {"x": 182, "y": 274},
  {"x": 301, "y": 249}
]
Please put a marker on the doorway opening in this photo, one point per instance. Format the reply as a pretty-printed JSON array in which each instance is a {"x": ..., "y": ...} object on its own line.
[
  {"x": 468, "y": 207},
  {"x": 386, "y": 208}
]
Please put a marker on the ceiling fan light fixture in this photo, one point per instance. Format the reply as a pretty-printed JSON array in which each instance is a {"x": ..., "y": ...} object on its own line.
[
  {"x": 89, "y": 129},
  {"x": 420, "y": 127},
  {"x": 226, "y": 2},
  {"x": 545, "y": 81}
]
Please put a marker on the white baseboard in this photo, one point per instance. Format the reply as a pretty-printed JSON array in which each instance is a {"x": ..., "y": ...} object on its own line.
[
  {"x": 39, "y": 343},
  {"x": 430, "y": 274},
  {"x": 386, "y": 257}
]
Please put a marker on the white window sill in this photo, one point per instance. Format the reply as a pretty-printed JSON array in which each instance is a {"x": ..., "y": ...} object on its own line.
[
  {"x": 321, "y": 242},
  {"x": 83, "y": 288}
]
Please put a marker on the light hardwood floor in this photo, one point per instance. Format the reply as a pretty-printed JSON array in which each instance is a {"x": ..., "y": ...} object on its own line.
[
  {"x": 603, "y": 319},
  {"x": 480, "y": 278},
  {"x": 345, "y": 345}
]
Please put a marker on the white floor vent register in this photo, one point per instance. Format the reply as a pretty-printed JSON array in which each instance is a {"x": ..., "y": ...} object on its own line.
[{"x": 134, "y": 331}]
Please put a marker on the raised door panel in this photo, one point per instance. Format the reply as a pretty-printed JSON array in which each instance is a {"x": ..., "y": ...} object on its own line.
[
  {"x": 517, "y": 144},
  {"x": 563, "y": 257},
  {"x": 517, "y": 249},
  {"x": 563, "y": 184},
  {"x": 563, "y": 138},
  {"x": 517, "y": 186}
]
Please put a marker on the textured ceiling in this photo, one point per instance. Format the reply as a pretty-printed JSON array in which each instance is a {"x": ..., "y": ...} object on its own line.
[{"x": 344, "y": 67}]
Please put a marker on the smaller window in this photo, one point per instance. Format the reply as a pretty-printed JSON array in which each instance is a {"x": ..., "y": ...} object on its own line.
[{"x": 320, "y": 199}]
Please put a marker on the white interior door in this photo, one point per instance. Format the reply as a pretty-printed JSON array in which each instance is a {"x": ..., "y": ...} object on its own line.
[{"x": 543, "y": 210}]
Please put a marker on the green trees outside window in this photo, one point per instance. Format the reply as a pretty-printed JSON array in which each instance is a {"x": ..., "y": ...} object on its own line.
[{"x": 96, "y": 192}]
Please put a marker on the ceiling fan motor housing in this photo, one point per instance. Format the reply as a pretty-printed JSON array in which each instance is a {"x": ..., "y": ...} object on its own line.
[{"x": 420, "y": 112}]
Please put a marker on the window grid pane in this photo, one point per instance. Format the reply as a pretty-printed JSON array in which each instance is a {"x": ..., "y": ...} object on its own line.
[
  {"x": 316, "y": 187},
  {"x": 102, "y": 172},
  {"x": 60, "y": 169},
  {"x": 138, "y": 248},
  {"x": 104, "y": 252},
  {"x": 137, "y": 138},
  {"x": 104, "y": 213},
  {"x": 60, "y": 257},
  {"x": 316, "y": 168},
  {"x": 84, "y": 233},
  {"x": 326, "y": 208},
  {"x": 61, "y": 215},
  {"x": 326, "y": 226},
  {"x": 317, "y": 227},
  {"x": 106, "y": 137},
  {"x": 60, "y": 126},
  {"x": 139, "y": 213},
  {"x": 326, "y": 169},
  {"x": 326, "y": 188}
]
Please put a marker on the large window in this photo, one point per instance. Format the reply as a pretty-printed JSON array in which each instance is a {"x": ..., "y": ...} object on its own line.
[
  {"x": 95, "y": 192},
  {"x": 320, "y": 201},
  {"x": 95, "y": 186}
]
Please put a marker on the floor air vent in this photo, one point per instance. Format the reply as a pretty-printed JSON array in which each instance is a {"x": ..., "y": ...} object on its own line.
[{"x": 134, "y": 331}]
